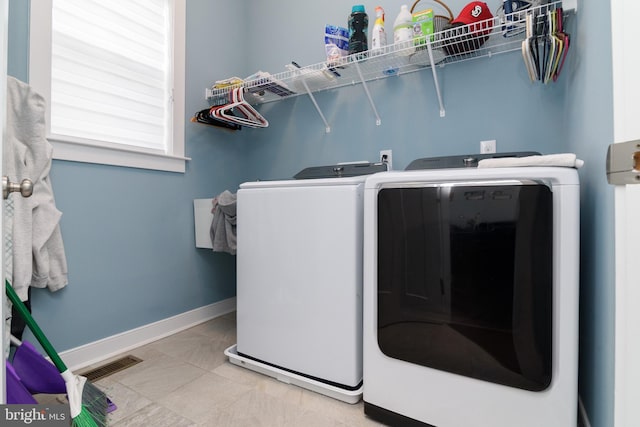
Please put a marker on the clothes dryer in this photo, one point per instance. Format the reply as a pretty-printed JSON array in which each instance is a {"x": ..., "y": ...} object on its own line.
[{"x": 471, "y": 297}]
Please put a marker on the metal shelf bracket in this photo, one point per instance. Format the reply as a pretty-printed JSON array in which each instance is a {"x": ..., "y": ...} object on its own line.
[
  {"x": 391, "y": 60},
  {"x": 327, "y": 128},
  {"x": 366, "y": 90},
  {"x": 435, "y": 79}
]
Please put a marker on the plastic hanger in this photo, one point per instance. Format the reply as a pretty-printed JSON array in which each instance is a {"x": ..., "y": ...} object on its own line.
[
  {"x": 530, "y": 55},
  {"x": 239, "y": 111},
  {"x": 205, "y": 117},
  {"x": 565, "y": 38},
  {"x": 550, "y": 48}
]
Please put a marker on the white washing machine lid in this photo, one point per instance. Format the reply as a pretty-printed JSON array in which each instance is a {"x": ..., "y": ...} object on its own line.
[
  {"x": 320, "y": 182},
  {"x": 552, "y": 175},
  {"x": 341, "y": 170},
  {"x": 349, "y": 173}
]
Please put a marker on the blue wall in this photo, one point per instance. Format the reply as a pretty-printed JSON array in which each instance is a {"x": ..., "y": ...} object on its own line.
[
  {"x": 490, "y": 98},
  {"x": 18, "y": 55},
  {"x": 129, "y": 233},
  {"x": 589, "y": 107}
]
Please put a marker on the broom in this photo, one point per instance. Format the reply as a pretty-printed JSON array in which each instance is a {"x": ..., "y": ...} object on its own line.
[
  {"x": 87, "y": 414},
  {"x": 39, "y": 375}
]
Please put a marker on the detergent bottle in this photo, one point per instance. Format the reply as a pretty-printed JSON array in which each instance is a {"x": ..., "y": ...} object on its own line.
[
  {"x": 358, "y": 28},
  {"x": 403, "y": 27}
]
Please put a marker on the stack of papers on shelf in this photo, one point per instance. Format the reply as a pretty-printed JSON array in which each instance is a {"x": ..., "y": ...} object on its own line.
[
  {"x": 230, "y": 82},
  {"x": 262, "y": 81}
]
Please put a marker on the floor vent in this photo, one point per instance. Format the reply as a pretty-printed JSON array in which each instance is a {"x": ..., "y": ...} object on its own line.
[{"x": 111, "y": 368}]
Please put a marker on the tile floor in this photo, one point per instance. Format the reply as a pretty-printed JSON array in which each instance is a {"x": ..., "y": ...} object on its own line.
[{"x": 186, "y": 380}]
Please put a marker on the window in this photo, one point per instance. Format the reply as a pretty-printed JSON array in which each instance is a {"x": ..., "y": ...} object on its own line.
[{"x": 112, "y": 73}]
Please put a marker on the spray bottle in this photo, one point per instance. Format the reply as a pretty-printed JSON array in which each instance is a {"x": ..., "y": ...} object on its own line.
[{"x": 378, "y": 34}]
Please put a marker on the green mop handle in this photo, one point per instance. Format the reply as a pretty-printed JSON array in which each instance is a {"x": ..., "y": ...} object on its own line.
[{"x": 37, "y": 332}]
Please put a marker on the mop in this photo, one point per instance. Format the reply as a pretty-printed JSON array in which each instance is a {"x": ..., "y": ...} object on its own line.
[{"x": 87, "y": 404}]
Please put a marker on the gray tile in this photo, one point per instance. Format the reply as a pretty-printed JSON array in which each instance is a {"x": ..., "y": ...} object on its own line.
[
  {"x": 315, "y": 419},
  {"x": 213, "y": 327},
  {"x": 50, "y": 399},
  {"x": 194, "y": 348},
  {"x": 200, "y": 397},
  {"x": 154, "y": 415},
  {"x": 128, "y": 401},
  {"x": 238, "y": 374},
  {"x": 185, "y": 380},
  {"x": 286, "y": 392},
  {"x": 257, "y": 409},
  {"x": 157, "y": 379},
  {"x": 222, "y": 328},
  {"x": 147, "y": 352}
]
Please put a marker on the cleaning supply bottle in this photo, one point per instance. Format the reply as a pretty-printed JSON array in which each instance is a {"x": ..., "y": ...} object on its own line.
[
  {"x": 378, "y": 35},
  {"x": 403, "y": 26},
  {"x": 358, "y": 29}
]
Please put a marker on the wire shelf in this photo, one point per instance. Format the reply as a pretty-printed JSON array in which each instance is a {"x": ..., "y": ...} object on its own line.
[{"x": 501, "y": 34}]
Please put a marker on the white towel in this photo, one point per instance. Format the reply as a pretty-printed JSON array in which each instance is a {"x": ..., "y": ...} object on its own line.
[
  {"x": 38, "y": 251},
  {"x": 567, "y": 160}
]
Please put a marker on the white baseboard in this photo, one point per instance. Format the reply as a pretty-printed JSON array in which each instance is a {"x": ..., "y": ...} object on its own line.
[{"x": 97, "y": 351}]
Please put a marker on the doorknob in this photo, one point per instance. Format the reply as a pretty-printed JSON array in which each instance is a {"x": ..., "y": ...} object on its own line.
[{"x": 25, "y": 187}]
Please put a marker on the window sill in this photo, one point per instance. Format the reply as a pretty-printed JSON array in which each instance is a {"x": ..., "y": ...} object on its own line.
[{"x": 116, "y": 156}]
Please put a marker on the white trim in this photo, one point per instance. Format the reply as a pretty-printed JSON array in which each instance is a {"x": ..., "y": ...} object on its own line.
[
  {"x": 72, "y": 150},
  {"x": 626, "y": 127},
  {"x": 179, "y": 47},
  {"x": 621, "y": 356},
  {"x": 117, "y": 156},
  {"x": 40, "y": 50},
  {"x": 288, "y": 377},
  {"x": 4, "y": 47},
  {"x": 98, "y": 351}
]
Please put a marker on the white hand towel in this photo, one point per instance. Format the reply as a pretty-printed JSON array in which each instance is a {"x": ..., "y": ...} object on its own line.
[
  {"x": 38, "y": 251},
  {"x": 567, "y": 160}
]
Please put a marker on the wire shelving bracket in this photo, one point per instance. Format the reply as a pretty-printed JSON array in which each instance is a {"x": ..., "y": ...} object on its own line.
[{"x": 484, "y": 39}]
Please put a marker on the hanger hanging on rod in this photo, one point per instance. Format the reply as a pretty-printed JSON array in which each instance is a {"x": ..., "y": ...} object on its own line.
[
  {"x": 239, "y": 111},
  {"x": 564, "y": 37},
  {"x": 204, "y": 117},
  {"x": 232, "y": 113},
  {"x": 546, "y": 45}
]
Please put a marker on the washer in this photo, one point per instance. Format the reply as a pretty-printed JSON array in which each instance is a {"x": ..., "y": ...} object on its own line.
[
  {"x": 299, "y": 279},
  {"x": 470, "y": 303}
]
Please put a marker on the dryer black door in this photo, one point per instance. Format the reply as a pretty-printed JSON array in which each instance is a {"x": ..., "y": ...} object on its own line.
[{"x": 465, "y": 280}]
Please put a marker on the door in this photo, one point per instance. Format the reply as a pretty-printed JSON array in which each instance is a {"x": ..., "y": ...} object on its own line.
[
  {"x": 466, "y": 271},
  {"x": 4, "y": 24},
  {"x": 626, "y": 105}
]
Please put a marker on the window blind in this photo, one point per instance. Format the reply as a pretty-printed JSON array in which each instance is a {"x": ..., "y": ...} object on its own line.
[{"x": 111, "y": 72}]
